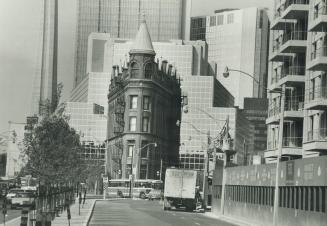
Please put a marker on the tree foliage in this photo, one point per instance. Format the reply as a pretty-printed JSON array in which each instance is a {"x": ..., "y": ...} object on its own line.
[{"x": 52, "y": 151}]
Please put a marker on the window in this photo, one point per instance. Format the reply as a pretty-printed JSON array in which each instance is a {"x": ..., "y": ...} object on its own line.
[
  {"x": 133, "y": 102},
  {"x": 130, "y": 150},
  {"x": 148, "y": 71},
  {"x": 143, "y": 170},
  {"x": 230, "y": 18},
  {"x": 212, "y": 21},
  {"x": 146, "y": 103},
  {"x": 145, "y": 124},
  {"x": 134, "y": 70},
  {"x": 220, "y": 19},
  {"x": 132, "y": 124}
]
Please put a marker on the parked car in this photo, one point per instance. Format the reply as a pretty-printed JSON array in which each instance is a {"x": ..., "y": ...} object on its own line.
[{"x": 23, "y": 199}]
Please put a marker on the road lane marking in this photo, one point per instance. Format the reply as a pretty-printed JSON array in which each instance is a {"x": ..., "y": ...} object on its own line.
[{"x": 197, "y": 223}]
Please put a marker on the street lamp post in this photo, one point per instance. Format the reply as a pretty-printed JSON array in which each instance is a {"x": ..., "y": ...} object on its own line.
[
  {"x": 131, "y": 177},
  {"x": 206, "y": 154},
  {"x": 280, "y": 137}
]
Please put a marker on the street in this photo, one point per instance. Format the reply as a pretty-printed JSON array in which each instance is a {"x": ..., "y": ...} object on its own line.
[
  {"x": 11, "y": 214},
  {"x": 143, "y": 212}
]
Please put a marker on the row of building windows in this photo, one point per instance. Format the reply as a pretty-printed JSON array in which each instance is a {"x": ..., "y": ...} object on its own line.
[
  {"x": 133, "y": 100},
  {"x": 295, "y": 197},
  {"x": 219, "y": 20},
  {"x": 145, "y": 124}
]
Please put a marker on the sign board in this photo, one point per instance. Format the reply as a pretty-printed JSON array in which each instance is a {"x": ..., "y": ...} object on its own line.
[{"x": 105, "y": 180}]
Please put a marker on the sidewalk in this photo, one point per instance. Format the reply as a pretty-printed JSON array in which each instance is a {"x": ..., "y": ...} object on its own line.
[
  {"x": 228, "y": 219},
  {"x": 62, "y": 220},
  {"x": 76, "y": 220}
]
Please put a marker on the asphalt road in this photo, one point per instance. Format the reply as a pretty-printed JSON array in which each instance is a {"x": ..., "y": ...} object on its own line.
[
  {"x": 146, "y": 213},
  {"x": 11, "y": 214}
]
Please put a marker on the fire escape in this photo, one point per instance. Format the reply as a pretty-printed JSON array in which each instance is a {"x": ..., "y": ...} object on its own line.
[{"x": 119, "y": 109}]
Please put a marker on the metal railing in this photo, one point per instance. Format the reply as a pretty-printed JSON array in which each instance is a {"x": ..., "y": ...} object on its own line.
[
  {"x": 288, "y": 142},
  {"x": 292, "y": 142},
  {"x": 320, "y": 93},
  {"x": 317, "y": 135},
  {"x": 290, "y": 105},
  {"x": 294, "y": 105},
  {"x": 322, "y": 10},
  {"x": 292, "y": 2},
  {"x": 293, "y": 70},
  {"x": 275, "y": 110},
  {"x": 295, "y": 35},
  {"x": 287, "y": 71},
  {"x": 320, "y": 52}
]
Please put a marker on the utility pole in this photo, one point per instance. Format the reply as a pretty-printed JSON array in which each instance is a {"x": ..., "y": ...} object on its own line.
[
  {"x": 279, "y": 155},
  {"x": 225, "y": 139},
  {"x": 160, "y": 169}
]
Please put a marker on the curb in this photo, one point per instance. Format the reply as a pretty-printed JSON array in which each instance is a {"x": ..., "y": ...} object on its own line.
[
  {"x": 91, "y": 213},
  {"x": 228, "y": 219}
]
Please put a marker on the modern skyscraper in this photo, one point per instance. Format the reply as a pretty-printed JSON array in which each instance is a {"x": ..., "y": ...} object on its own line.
[
  {"x": 238, "y": 39},
  {"x": 120, "y": 18},
  {"x": 198, "y": 28},
  {"x": 256, "y": 111},
  {"x": 209, "y": 107},
  {"x": 45, "y": 79}
]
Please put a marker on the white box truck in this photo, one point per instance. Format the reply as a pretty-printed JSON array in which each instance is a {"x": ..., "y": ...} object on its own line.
[{"x": 182, "y": 189}]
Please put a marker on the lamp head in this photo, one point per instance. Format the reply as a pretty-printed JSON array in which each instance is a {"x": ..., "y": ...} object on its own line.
[
  {"x": 185, "y": 109},
  {"x": 226, "y": 72}
]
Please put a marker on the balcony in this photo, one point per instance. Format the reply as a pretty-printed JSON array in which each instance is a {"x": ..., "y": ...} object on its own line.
[
  {"x": 277, "y": 56},
  {"x": 316, "y": 140},
  {"x": 290, "y": 76},
  {"x": 292, "y": 146},
  {"x": 295, "y": 9},
  {"x": 294, "y": 42},
  {"x": 292, "y": 111},
  {"x": 281, "y": 24},
  {"x": 319, "y": 20},
  {"x": 317, "y": 100},
  {"x": 318, "y": 60}
]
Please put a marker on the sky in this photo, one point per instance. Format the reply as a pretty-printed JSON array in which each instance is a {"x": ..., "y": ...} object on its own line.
[{"x": 20, "y": 23}]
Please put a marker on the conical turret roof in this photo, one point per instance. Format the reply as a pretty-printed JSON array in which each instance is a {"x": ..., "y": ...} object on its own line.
[{"x": 142, "y": 42}]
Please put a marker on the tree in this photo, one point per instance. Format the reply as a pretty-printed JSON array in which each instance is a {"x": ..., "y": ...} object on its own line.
[{"x": 52, "y": 151}]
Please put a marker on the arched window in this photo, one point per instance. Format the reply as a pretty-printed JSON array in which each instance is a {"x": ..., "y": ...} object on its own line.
[
  {"x": 148, "y": 70},
  {"x": 134, "y": 70}
]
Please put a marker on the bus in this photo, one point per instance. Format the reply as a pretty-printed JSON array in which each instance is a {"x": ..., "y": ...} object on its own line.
[{"x": 140, "y": 188}]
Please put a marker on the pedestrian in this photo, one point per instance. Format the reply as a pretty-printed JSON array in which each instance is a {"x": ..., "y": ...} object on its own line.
[{"x": 84, "y": 196}]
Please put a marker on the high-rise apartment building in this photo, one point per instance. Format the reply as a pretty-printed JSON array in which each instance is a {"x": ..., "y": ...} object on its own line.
[
  {"x": 120, "y": 18},
  {"x": 45, "y": 78},
  {"x": 297, "y": 67},
  {"x": 238, "y": 39},
  {"x": 315, "y": 117}
]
